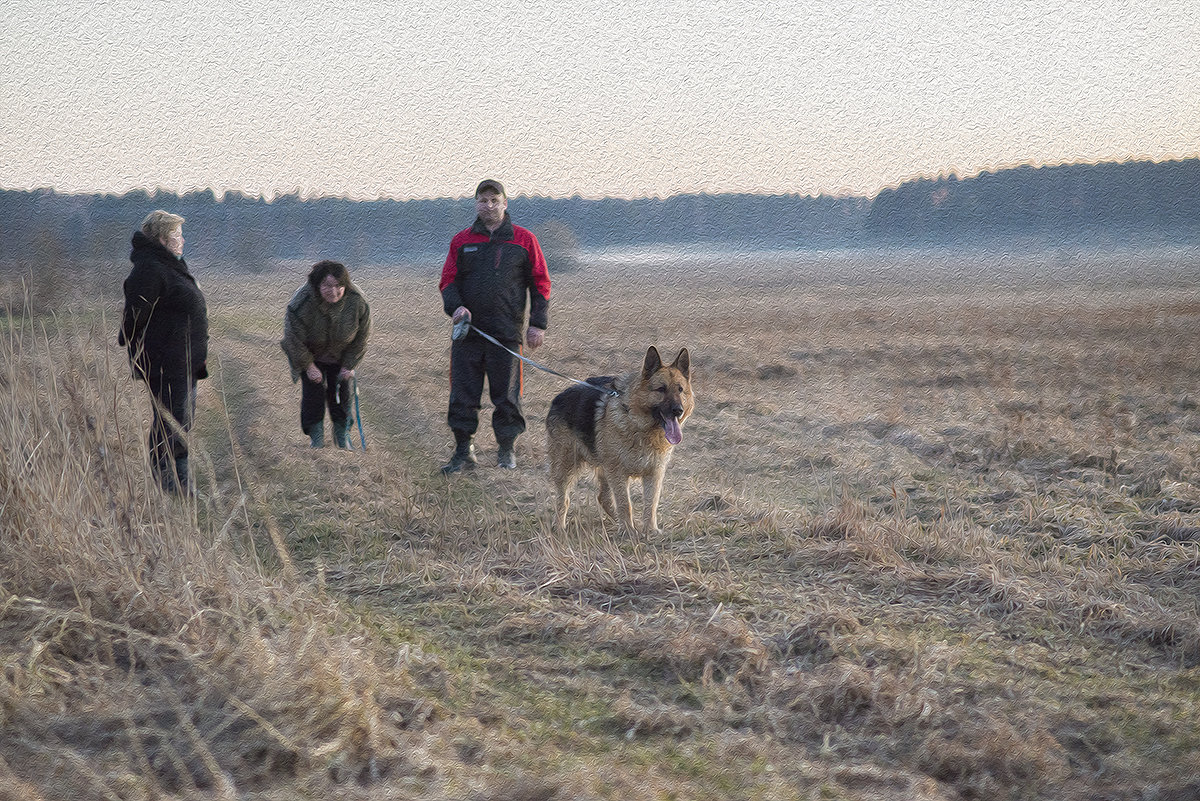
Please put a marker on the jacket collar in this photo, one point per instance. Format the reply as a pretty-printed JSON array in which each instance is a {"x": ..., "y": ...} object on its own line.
[
  {"x": 147, "y": 248},
  {"x": 505, "y": 231}
]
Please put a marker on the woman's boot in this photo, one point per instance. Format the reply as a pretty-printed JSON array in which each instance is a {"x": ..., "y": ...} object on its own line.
[{"x": 341, "y": 434}]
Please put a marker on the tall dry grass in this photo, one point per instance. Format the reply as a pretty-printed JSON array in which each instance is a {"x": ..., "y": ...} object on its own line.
[{"x": 142, "y": 657}]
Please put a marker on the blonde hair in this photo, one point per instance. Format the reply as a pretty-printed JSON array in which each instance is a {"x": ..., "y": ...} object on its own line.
[{"x": 159, "y": 224}]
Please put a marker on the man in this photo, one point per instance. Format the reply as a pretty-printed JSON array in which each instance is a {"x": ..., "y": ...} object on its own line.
[{"x": 492, "y": 269}]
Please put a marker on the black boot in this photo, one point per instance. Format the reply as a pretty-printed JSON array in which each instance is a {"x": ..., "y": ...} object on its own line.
[
  {"x": 463, "y": 457},
  {"x": 184, "y": 475},
  {"x": 507, "y": 456},
  {"x": 164, "y": 473}
]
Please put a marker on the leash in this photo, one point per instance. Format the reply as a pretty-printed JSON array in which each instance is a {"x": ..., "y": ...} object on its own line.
[
  {"x": 358, "y": 416},
  {"x": 460, "y": 331}
]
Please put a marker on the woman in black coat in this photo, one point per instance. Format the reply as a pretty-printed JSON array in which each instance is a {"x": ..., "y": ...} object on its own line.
[{"x": 165, "y": 328}]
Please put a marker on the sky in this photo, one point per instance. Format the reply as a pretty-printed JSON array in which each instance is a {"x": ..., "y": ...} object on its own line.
[{"x": 381, "y": 99}]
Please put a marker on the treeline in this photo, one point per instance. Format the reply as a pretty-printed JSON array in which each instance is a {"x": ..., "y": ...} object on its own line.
[
  {"x": 1127, "y": 204},
  {"x": 1135, "y": 203}
]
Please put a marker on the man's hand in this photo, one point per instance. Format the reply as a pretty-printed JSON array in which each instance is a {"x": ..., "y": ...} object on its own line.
[
  {"x": 534, "y": 337},
  {"x": 345, "y": 375},
  {"x": 460, "y": 312},
  {"x": 314, "y": 374}
]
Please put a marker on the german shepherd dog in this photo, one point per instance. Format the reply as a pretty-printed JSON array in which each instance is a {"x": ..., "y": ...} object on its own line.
[{"x": 624, "y": 428}]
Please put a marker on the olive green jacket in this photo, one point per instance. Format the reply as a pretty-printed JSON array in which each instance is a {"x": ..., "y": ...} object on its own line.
[{"x": 316, "y": 331}]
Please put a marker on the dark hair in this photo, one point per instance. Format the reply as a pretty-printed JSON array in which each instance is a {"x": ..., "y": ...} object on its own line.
[{"x": 324, "y": 268}]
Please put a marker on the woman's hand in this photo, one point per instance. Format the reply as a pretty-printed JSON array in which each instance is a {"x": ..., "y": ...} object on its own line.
[
  {"x": 314, "y": 374},
  {"x": 345, "y": 375}
]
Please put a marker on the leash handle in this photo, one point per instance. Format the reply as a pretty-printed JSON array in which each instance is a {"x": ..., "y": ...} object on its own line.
[{"x": 460, "y": 331}]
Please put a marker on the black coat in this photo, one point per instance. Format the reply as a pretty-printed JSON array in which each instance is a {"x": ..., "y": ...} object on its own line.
[{"x": 165, "y": 325}]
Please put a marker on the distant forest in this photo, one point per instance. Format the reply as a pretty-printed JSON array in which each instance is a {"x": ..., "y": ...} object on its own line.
[{"x": 1109, "y": 205}]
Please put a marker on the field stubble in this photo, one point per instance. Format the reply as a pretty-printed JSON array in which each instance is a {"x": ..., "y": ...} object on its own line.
[{"x": 929, "y": 541}]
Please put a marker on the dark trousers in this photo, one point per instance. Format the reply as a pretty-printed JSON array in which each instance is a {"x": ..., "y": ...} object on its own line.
[
  {"x": 174, "y": 408},
  {"x": 331, "y": 393},
  {"x": 471, "y": 360}
]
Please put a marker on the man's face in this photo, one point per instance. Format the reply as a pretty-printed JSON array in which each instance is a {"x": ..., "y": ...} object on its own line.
[{"x": 490, "y": 206}]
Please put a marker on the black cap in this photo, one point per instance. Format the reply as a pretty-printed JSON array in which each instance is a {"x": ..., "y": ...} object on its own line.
[{"x": 488, "y": 185}]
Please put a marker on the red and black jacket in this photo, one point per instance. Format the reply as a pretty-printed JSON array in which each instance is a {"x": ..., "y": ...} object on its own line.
[{"x": 492, "y": 274}]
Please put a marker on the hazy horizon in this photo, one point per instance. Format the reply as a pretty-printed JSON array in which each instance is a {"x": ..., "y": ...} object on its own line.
[
  {"x": 382, "y": 100},
  {"x": 220, "y": 195}
]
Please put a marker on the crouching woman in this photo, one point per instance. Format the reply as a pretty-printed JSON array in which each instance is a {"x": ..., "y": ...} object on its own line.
[{"x": 325, "y": 333}]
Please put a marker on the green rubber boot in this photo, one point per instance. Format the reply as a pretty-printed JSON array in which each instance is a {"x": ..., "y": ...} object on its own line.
[{"x": 341, "y": 435}]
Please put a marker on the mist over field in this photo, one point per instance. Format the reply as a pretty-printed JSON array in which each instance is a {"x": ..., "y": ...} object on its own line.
[{"x": 985, "y": 268}]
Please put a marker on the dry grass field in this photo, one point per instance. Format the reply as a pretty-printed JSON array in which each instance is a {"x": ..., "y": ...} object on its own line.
[{"x": 933, "y": 532}]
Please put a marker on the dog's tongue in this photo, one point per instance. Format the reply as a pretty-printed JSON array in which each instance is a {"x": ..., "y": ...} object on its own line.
[{"x": 672, "y": 430}]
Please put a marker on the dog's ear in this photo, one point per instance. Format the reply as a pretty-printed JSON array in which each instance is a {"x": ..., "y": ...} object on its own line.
[
  {"x": 653, "y": 362},
  {"x": 682, "y": 363}
]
